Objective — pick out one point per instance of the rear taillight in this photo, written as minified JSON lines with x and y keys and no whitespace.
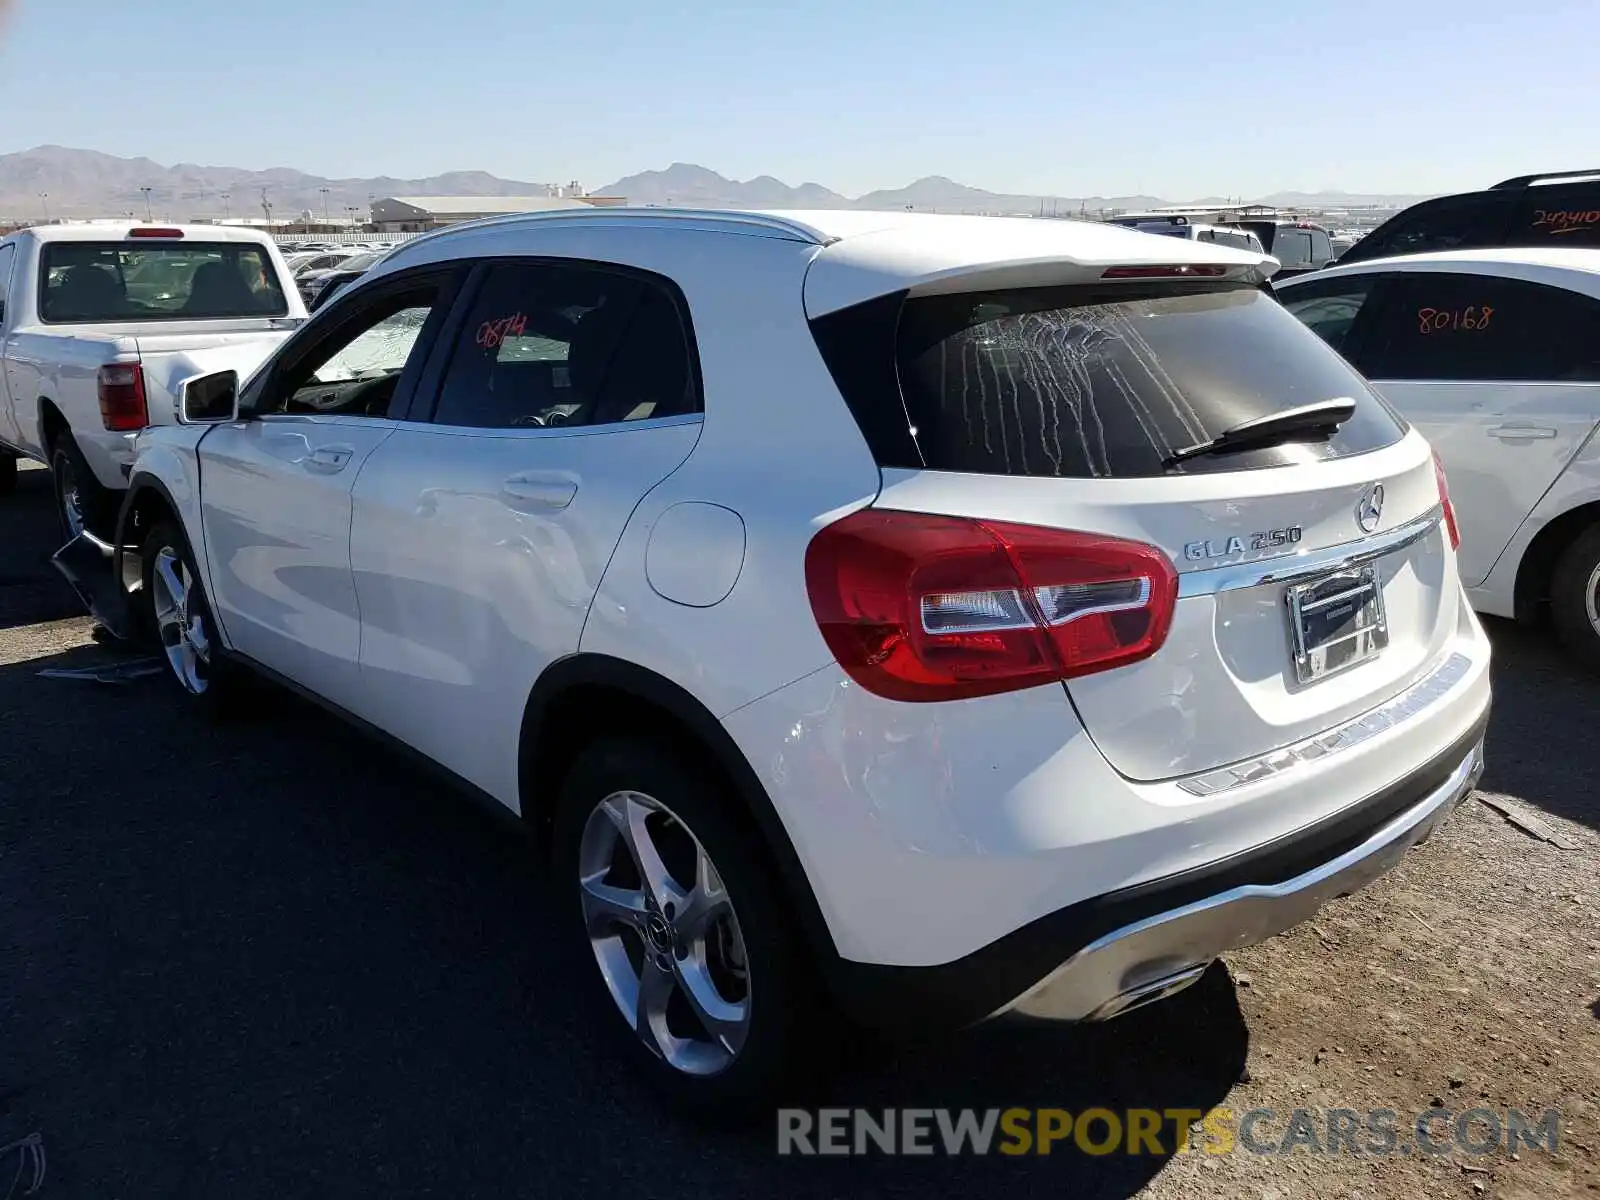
{"x":122,"y":405}
{"x":921,"y":607}
{"x":1444,"y":499}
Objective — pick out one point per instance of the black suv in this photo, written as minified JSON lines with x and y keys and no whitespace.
{"x":1559,"y":208}
{"x":1298,"y":245}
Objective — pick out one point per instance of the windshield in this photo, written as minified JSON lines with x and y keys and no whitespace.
{"x":122,"y":281}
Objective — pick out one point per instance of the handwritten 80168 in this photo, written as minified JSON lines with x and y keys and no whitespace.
{"x":492,"y":333}
{"x":1438,"y":320}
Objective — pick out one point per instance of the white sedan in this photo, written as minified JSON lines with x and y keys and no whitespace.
{"x":1495,"y":356}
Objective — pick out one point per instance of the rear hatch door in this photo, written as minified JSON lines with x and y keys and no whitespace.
{"x":1066,"y":407}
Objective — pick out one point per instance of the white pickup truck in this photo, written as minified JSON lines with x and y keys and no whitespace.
{"x":100,"y":324}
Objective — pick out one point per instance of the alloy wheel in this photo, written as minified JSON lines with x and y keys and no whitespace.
{"x":664,"y":933}
{"x":71,"y":497}
{"x":182,"y":630}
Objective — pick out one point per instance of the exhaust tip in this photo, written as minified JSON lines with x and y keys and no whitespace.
{"x":1156,"y":989}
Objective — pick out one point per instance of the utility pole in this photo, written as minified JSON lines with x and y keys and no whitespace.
{"x":226,"y":196}
{"x":266,"y":207}
{"x":147,"y":215}
{"x":44,"y":198}
{"x":324,"y":192}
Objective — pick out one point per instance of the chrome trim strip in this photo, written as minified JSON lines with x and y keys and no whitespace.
{"x":1124,"y":961}
{"x":1307,"y":564}
{"x":1419,"y":696}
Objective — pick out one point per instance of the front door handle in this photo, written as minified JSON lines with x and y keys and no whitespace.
{"x":330,"y":459}
{"x":1517,"y":433}
{"x":538,"y":491}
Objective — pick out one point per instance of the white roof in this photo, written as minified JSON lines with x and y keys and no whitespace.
{"x":1573,"y":267}
{"x":113,"y":231}
{"x":861,"y":254}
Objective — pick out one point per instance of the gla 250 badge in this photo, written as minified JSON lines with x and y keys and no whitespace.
{"x":1266,"y":539}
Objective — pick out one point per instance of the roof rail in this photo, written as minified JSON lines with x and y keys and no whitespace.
{"x":1522,"y":181}
{"x":787,"y":226}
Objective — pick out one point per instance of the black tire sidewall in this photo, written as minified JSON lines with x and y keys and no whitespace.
{"x":93,"y":499}
{"x":219,"y":679}
{"x":780,"y":1050}
{"x":1569,"y":597}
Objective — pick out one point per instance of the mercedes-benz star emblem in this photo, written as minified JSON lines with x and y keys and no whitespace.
{"x":1369,"y":509}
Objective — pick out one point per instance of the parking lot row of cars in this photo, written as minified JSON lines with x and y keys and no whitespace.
{"x":914,"y":617}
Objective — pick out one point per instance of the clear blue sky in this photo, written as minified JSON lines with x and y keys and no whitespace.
{"x":1043,"y":96}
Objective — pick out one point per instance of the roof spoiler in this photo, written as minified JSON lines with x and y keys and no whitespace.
{"x":1522,"y":181}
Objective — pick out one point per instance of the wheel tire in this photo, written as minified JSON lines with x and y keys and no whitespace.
{"x":8,"y":473}
{"x":1573,"y":595}
{"x":217,"y":679}
{"x":69,"y":471}
{"x":787,"y":1011}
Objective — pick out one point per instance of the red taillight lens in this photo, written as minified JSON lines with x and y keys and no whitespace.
{"x":1444,"y":499}
{"x":1175,"y":272}
{"x":122,"y":405}
{"x":920,"y":607}
{"x":154,"y":231}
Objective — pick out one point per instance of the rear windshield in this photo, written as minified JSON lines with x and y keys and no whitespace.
{"x":173,"y":281}
{"x":1088,"y":382}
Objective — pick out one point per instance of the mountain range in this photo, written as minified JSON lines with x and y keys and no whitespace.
{"x":58,"y":181}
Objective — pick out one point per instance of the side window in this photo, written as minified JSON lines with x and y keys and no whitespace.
{"x":546,"y":344}
{"x":355,"y":370}
{"x":1449,"y":223}
{"x":1321,"y":246}
{"x":1558,"y":216}
{"x":1329,"y":308}
{"x":1474,"y":327}
{"x":1291,"y":247}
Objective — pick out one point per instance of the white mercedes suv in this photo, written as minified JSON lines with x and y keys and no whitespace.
{"x":915,"y":617}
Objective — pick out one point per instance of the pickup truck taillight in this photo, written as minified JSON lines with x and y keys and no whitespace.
{"x":122,"y":405}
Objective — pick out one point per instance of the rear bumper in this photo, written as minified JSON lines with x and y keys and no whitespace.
{"x":1103,"y":956}
{"x":1158,"y":955}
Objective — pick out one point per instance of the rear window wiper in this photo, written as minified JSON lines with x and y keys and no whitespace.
{"x":1322,"y":417}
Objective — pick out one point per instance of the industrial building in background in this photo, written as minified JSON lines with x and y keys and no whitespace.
{"x":418,"y":214}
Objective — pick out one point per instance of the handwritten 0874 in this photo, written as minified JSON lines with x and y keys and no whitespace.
{"x":1438,"y":320}
{"x":492,"y":333}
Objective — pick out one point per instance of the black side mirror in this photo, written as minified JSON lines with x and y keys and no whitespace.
{"x":209,"y":399}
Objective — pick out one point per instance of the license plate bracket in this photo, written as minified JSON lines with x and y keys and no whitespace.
{"x":1336,"y":622}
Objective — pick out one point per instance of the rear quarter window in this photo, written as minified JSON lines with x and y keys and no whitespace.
{"x":1558,"y":216}
{"x":1096,"y":382}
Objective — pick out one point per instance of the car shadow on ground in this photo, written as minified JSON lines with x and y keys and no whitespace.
{"x":264,"y":957}
{"x":1540,"y":747}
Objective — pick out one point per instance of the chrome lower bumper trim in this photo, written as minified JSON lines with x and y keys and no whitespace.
{"x":1419,"y":697}
{"x":1157,"y":956}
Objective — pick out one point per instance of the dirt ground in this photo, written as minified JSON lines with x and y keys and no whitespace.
{"x":272,"y":961}
{"x":1468,"y":978}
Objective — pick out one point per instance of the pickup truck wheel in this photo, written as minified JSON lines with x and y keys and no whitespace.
{"x":1575,"y":598}
{"x":81,"y":502}
{"x":8,"y":473}
{"x":180,"y":615}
